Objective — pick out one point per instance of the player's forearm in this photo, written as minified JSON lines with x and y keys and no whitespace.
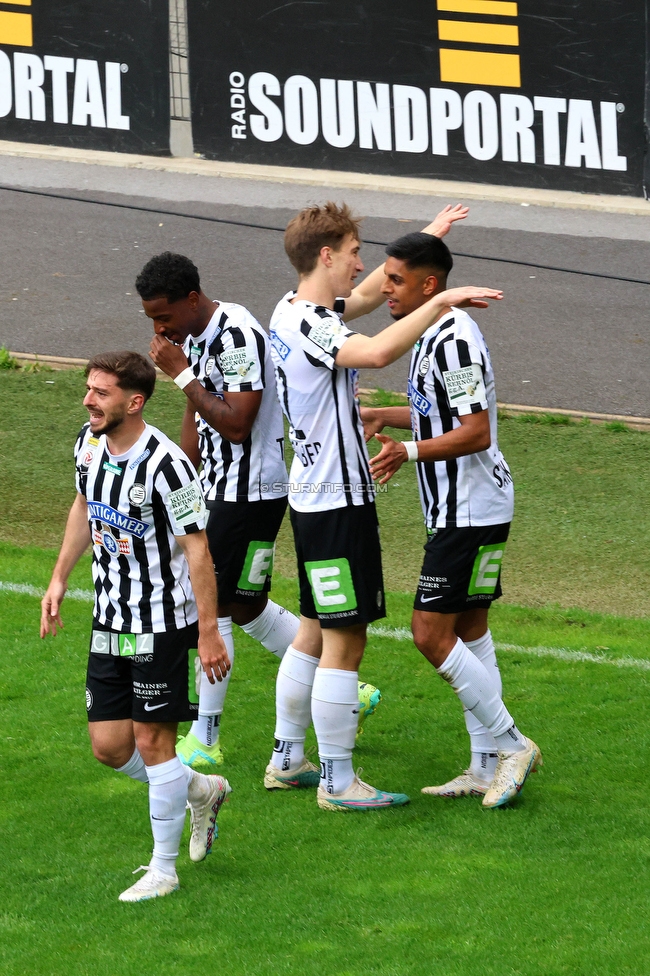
{"x":367,"y":296}
{"x":399,"y":417}
{"x":76,"y":540}
{"x":203,"y":580}
{"x":375,"y":352}
{"x":190,"y":437}
{"x":454,"y":444}
{"x":218,"y":413}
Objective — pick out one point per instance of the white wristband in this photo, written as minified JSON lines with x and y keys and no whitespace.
{"x":411,"y":450}
{"x":184,"y":378}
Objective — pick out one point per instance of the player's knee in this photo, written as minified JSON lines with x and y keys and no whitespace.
{"x":435,"y":646}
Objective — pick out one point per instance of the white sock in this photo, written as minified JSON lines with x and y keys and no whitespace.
{"x":335,"y":713}
{"x":476,"y":690}
{"x":167,"y":801}
{"x":275,"y":628}
{"x":135,"y":768}
{"x":212,"y":697}
{"x":292,"y":707}
{"x":482,"y":743}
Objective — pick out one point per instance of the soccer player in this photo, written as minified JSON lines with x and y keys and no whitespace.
{"x":467,"y":499}
{"x":140,"y":505}
{"x":332,"y":494}
{"x":219,"y":355}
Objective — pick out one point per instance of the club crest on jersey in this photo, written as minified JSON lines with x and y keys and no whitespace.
{"x":209,"y":365}
{"x":137,"y":494}
{"x":423,"y":368}
{"x":280,"y":347}
{"x":87,"y":458}
{"x":116,"y":547}
{"x":104,"y":513}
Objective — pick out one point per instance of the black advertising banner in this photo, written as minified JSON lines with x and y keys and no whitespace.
{"x":93,"y":74}
{"x":541,"y":93}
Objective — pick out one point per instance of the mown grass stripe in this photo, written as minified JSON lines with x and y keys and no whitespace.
{"x":404,"y":634}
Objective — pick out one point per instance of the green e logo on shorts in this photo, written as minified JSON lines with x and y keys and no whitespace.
{"x":195,"y":670}
{"x":487,"y":567}
{"x":257,"y":566}
{"x":331,"y":585}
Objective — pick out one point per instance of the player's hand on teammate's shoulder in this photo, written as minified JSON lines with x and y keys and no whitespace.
{"x":470,"y":296}
{"x":389,"y":460}
{"x":167,"y":356}
{"x":441,"y":225}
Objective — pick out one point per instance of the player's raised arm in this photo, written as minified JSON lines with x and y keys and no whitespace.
{"x":375,"y":352}
{"x":212,"y":650}
{"x":367,"y":296}
{"x":75,"y":542}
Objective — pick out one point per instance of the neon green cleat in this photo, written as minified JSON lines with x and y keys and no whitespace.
{"x":369,"y":698}
{"x":203,"y":759}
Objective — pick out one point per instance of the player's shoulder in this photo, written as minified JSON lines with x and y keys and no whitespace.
{"x":161,"y":449}
{"x":465,"y":327}
{"x":239,"y":326}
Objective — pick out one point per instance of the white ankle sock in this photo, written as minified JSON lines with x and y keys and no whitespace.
{"x":476,"y":690}
{"x":212,"y":697}
{"x":482,"y":741}
{"x":483,"y":765}
{"x":292,"y":707}
{"x":167,"y":800}
{"x":335,"y":713}
{"x":135,"y":768}
{"x":275,"y":628}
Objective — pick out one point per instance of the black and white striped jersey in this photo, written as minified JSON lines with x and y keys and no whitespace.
{"x":137,"y":502}
{"x":330,"y":465}
{"x":451,"y":376}
{"x":232,"y":355}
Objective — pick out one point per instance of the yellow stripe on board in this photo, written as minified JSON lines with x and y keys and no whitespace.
{"x":17,"y":3}
{"x":458,"y":30}
{"x":16,"y":29}
{"x":480,"y":68}
{"x":499,"y":8}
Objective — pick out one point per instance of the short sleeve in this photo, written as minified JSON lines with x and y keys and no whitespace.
{"x":178,"y":487}
{"x":462,"y":373}
{"x":84,"y":451}
{"x":322,"y":335}
{"x":241,"y":360}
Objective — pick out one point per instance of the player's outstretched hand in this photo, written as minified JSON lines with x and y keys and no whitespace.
{"x":441,"y":224}
{"x":469,"y":296}
{"x":372,"y":425}
{"x":51,"y":609}
{"x":214,"y":656}
{"x":167,"y":356}
{"x":389,"y":460}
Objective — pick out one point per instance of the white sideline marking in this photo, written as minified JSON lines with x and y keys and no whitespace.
{"x":559,"y":653}
{"x":404,"y":634}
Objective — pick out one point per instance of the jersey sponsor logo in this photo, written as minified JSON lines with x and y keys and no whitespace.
{"x":196,"y":351}
{"x":115,"y":546}
{"x":93,"y":441}
{"x":331,"y":585}
{"x":111,"y":468}
{"x":327,"y":334}
{"x":137,"y":494}
{"x":139,"y":460}
{"x":423,"y":368}
{"x":237,"y":364}
{"x":486,"y":570}
{"x":464,"y":386}
{"x":258,"y":566}
{"x":280,"y":347}
{"x":420,"y":402}
{"x":104,"y":513}
{"x":186,"y":504}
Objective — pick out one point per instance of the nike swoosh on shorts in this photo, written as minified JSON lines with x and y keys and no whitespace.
{"x":148,"y":707}
{"x":428,"y":599}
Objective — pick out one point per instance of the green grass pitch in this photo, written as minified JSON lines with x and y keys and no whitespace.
{"x":555,"y":884}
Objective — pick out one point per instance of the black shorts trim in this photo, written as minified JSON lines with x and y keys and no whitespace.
{"x":461,"y":569}
{"x":143,"y":677}
{"x":339,"y":565}
{"x":241,"y":536}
